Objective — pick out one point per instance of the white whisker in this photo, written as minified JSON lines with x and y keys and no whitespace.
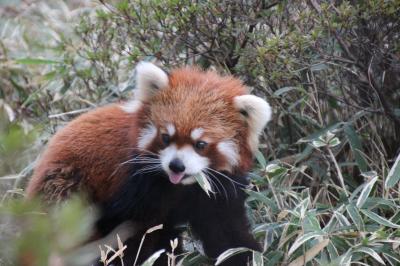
{"x":216,"y":179}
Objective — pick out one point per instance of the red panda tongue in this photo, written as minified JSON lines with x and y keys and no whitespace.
{"x":175,"y":178}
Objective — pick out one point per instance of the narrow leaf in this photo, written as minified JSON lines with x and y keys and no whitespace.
{"x":154,"y":228}
{"x":356,"y":217}
{"x":258,"y":259}
{"x":310,"y":254}
{"x":304,"y":238}
{"x":365,"y":192}
{"x":36,"y":61}
{"x":284,"y":90}
{"x":229,"y":253}
{"x":394,"y":174}
{"x":370,"y":252}
{"x":379,"y":219}
{"x":204,"y":183}
{"x":260,"y":159}
{"x":356,"y":147}
{"x":152,"y":259}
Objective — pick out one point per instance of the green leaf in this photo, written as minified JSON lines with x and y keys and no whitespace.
{"x":321,"y":132}
{"x":204,"y":183}
{"x":355,"y":216}
{"x":319,"y":67}
{"x":365,"y":192}
{"x":394,"y":259}
{"x":380,"y":220}
{"x":394,"y":174}
{"x":310,"y":253}
{"x":229,"y":253}
{"x":370,"y":252}
{"x":345,"y":260}
{"x":152,"y":259}
{"x":258,"y":259}
{"x":260,"y":159}
{"x":334,"y":142}
{"x":36,"y":61}
{"x":284,"y":90}
{"x":274,"y":258}
{"x":355,"y":144}
{"x":304,"y":238}
{"x":263,"y":199}
{"x":318,"y":143}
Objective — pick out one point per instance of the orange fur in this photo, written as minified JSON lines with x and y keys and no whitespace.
{"x":94,"y":145}
{"x":91,"y":155}
{"x":205,"y":101}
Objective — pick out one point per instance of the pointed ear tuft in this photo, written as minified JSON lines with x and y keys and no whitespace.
{"x":257,"y":112}
{"x":149,"y":78}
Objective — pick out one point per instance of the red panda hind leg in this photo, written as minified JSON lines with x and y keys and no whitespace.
{"x":59,"y":184}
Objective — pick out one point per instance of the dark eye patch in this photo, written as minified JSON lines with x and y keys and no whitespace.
{"x":244,"y":113}
{"x":166,"y":139}
{"x":200,"y":145}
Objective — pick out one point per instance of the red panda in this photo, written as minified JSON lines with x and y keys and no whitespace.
{"x":137,"y":161}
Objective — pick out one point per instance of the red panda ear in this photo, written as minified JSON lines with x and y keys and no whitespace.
{"x":149,"y":79}
{"x":257,"y":112}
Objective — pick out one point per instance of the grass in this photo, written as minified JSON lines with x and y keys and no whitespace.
{"x":326,"y":180}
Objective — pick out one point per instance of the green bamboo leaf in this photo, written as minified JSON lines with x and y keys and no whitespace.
{"x":394,"y":174}
{"x":345,"y":260}
{"x":152,"y":259}
{"x":310,"y":253}
{"x":36,"y":61}
{"x":204,"y":183}
{"x":229,"y":253}
{"x":370,"y":252}
{"x":302,"y":239}
{"x":260,"y":159}
{"x":334,"y":142}
{"x":319,"y":67}
{"x":356,"y":147}
{"x":321,"y":132}
{"x":366,"y":191}
{"x":284,"y":90}
{"x":274,"y":258}
{"x":393,"y":259}
{"x":379,"y":219}
{"x":355,"y":216}
{"x":263,"y":199}
{"x":258,"y":259}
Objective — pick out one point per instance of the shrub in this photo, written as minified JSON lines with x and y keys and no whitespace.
{"x":326,"y":185}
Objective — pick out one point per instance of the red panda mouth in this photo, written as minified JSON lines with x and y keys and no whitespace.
{"x":176,"y":178}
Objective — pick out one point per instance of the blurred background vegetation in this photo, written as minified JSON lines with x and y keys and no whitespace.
{"x":326,"y":187}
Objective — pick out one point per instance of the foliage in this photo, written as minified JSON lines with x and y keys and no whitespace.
{"x":326,"y":187}
{"x":44,"y":235}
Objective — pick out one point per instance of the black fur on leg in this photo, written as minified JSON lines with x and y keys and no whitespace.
{"x":222,"y":224}
{"x":149,"y":199}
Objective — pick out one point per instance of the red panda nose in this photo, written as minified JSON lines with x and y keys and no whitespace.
{"x":176,"y":166}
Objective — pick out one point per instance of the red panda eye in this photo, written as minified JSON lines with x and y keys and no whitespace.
{"x":200,"y":145}
{"x":165,"y":139}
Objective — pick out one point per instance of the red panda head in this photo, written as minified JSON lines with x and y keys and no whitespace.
{"x":196,"y":121}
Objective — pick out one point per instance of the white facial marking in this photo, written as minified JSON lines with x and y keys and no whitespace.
{"x":131,"y":107}
{"x":196,"y":133}
{"x":193,"y":162}
{"x":146,"y":136}
{"x":171,"y":129}
{"x":230,"y":150}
